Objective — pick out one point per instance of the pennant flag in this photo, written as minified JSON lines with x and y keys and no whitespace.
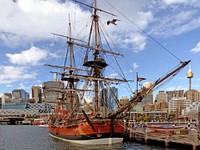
{"x":140,"y":79}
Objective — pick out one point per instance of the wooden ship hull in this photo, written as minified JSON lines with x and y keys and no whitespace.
{"x":83,"y":133}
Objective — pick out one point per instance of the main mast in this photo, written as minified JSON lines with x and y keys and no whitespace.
{"x":71,"y":82}
{"x":98,"y":63}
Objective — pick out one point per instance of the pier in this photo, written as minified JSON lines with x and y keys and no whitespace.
{"x":166,"y":137}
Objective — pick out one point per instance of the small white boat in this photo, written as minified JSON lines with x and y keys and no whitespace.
{"x":43,"y":125}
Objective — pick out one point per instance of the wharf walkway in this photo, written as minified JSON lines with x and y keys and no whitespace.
{"x":168,"y":137}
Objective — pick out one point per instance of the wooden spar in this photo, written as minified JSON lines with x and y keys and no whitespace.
{"x":96,"y":49}
{"x":140,"y":95}
{"x":95,"y":78}
{"x":67,"y":90}
{"x":66,"y":68}
{"x":183,"y":64}
{"x":68,"y":37}
{"x":94,"y":8}
{"x":88,"y":120}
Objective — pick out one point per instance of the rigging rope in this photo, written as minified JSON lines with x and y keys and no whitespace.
{"x":122,"y":73}
{"x":156,"y":41}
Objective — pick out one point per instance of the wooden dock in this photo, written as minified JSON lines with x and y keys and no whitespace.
{"x":185,"y":137}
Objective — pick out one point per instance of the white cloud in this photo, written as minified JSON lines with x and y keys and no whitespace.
{"x":13,"y":40}
{"x":196,"y":49}
{"x":136,"y":41}
{"x":36,"y":19}
{"x":9,"y":85}
{"x":113,"y":75}
{"x":130,"y":70}
{"x":132,"y":15}
{"x":31,"y":56}
{"x":26,"y":21}
{"x":185,"y":2}
{"x":135,"y":65}
{"x":174,"y":1}
{"x":21,"y":86}
{"x":10,"y":74}
{"x":183,"y":22}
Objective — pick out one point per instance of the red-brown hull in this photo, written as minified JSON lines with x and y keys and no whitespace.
{"x":83,"y":131}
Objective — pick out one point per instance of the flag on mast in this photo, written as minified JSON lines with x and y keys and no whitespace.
{"x":139,"y":78}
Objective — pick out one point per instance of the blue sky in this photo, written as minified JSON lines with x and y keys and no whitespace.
{"x":26,"y":42}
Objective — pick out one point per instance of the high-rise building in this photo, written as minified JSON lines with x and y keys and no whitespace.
{"x":6,"y":98}
{"x":104,"y":98}
{"x":37,"y":94}
{"x":175,"y":93}
{"x":112,"y":97}
{"x":108,"y":98}
{"x":193,"y":95}
{"x":124,"y":100}
{"x":177,"y":105}
{"x":51,"y":95}
{"x":19,"y":95}
{"x":161,"y":96}
{"x":149,"y":98}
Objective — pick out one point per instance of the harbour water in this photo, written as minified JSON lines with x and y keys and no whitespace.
{"x":28,"y":137}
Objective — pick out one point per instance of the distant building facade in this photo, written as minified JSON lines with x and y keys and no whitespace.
{"x":51,"y":96}
{"x":193,"y":95}
{"x":192,"y":111}
{"x":108,"y":98}
{"x":112,"y":97}
{"x":148,"y":107}
{"x":149,"y":98}
{"x":177,"y":104}
{"x":37,"y":94}
{"x":124,"y":100}
{"x":161,"y":97}
{"x":175,"y":93}
{"x":19,"y":95}
{"x":6,"y":98}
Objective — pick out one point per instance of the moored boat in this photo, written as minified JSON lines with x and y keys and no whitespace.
{"x":43,"y":125}
{"x":160,"y":129}
{"x":164,"y":127}
{"x":39,"y":121}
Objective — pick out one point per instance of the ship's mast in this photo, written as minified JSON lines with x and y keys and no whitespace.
{"x":70,"y":94}
{"x":96,"y":53}
{"x":71,"y":82}
{"x":98,"y":63}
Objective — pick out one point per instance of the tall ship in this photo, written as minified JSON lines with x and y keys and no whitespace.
{"x":98,"y":124}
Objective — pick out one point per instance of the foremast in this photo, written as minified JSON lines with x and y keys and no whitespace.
{"x":69,"y":93}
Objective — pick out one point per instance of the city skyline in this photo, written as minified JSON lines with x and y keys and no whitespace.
{"x":158,"y":96}
{"x":27,"y":44}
